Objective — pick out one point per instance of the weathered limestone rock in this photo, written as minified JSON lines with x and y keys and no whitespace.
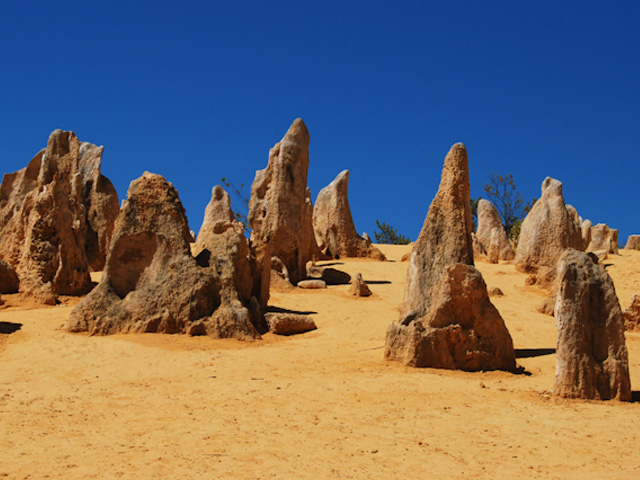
{"x":603,"y":238}
{"x":573,"y":213}
{"x":445,"y":238}
{"x":289,"y":323}
{"x":462,"y":329}
{"x":280,"y":210}
{"x":151,"y":283}
{"x":632,"y":314}
{"x":478,"y":249}
{"x":495,"y":292}
{"x":312,"y":284}
{"x":585,"y":230}
{"x":592,"y":360}
{"x":488,"y":219}
{"x":493,"y":253}
{"x":8,"y":278}
{"x":333,"y":226}
{"x":56,"y":218}
{"x":633,"y":243}
{"x":547,"y":230}
{"x":358,"y":287}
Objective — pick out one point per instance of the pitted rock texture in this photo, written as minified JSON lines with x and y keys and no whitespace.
{"x":488,"y":219}
{"x":280,"y":209}
{"x":547,"y":231}
{"x":591,"y":355}
{"x":604,"y":239}
{"x":56,"y":218}
{"x":333,"y":225}
{"x":632,"y":314}
{"x":633,"y":243}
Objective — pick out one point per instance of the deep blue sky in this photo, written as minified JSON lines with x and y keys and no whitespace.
{"x":200,"y":90}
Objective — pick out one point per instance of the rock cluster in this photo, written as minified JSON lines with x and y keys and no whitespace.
{"x":547,"y":230}
{"x":490,"y":225}
{"x":152,"y":283}
{"x":592,"y":360}
{"x":280,"y":209}
{"x":333,"y":226}
{"x":56,"y":218}
{"x":603,"y":238}
{"x":448,"y":320}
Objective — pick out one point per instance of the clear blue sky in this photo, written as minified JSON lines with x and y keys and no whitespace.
{"x":200,"y":90}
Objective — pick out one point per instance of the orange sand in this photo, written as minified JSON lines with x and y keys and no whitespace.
{"x":320,"y":405}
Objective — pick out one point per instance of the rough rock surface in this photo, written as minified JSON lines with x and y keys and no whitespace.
{"x":462,"y":329}
{"x":488,"y":219}
{"x":585,"y":230}
{"x":478,"y":249}
{"x":603,"y":238}
{"x":632,"y":314}
{"x":358,"y":287}
{"x":493,"y":252}
{"x":151,"y":282}
{"x":333,"y":226}
{"x":331,"y":276}
{"x":8,"y":278}
{"x":312,"y":284}
{"x":56,"y":218}
{"x":495,"y":292}
{"x":289,"y":323}
{"x":592,"y":359}
{"x":547,"y":231}
{"x":445,"y":238}
{"x":280,"y":209}
{"x":633,"y":242}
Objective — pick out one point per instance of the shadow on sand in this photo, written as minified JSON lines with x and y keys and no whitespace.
{"x":534,"y":352}
{"x":8,"y":327}
{"x":271,"y":309}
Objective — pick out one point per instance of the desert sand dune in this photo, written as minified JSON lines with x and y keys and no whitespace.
{"x":319,"y":405}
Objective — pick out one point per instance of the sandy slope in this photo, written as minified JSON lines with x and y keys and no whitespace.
{"x":319,"y":405}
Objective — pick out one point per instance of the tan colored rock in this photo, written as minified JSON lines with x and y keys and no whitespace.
{"x":493,"y":253}
{"x":8,"y":279}
{"x":406,"y":257}
{"x":603,"y":238}
{"x":573,"y":213}
{"x":585,"y":230}
{"x":488,"y":220}
{"x":358,"y":287}
{"x":312,"y":284}
{"x":547,"y":230}
{"x":330,"y":275}
{"x":633,"y":243}
{"x":151,"y":282}
{"x":289,"y":323}
{"x":632,"y":314}
{"x":547,"y":306}
{"x":333,"y":226}
{"x":478,"y":249}
{"x":218,"y":215}
{"x":592,"y":360}
{"x":56,"y":218}
{"x":445,"y":238}
{"x":495,"y":292}
{"x":462,"y":329}
{"x":280,"y":209}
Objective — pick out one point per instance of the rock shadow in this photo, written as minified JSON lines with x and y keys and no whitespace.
{"x":9,"y":327}
{"x":534,"y":352}
{"x":377,"y":282}
{"x":272,"y":309}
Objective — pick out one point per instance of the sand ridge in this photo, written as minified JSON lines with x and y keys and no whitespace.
{"x":324,"y":404}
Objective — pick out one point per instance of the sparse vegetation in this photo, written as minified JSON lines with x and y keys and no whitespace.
{"x":240,"y":206}
{"x":389,"y":235}
{"x":502,"y":192}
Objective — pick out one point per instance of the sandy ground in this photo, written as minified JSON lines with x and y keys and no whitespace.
{"x":320,"y":405}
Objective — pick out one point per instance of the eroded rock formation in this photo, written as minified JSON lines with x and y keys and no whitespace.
{"x":632,"y":314}
{"x":488,"y":219}
{"x":547,"y":230}
{"x":280,"y":209}
{"x":152,"y":283}
{"x":333,"y":226}
{"x":8,"y":278}
{"x":358,"y":287}
{"x":633,"y":243}
{"x":603,"y":238}
{"x":56,"y":218}
{"x":592,"y":360}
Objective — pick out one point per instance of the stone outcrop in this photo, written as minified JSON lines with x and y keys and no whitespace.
{"x":289,"y":323}
{"x":280,"y":209}
{"x":547,"y":230}
{"x":358,"y":287}
{"x":331,"y":276}
{"x":488,"y":220}
{"x":447,"y":318}
{"x":56,"y":218}
{"x":152,"y":283}
{"x":592,"y":360}
{"x":603,"y":238}
{"x":8,"y":278}
{"x":478,"y":249}
{"x":333,"y":226}
{"x":585,"y":230}
{"x":633,"y":243}
{"x":445,"y":238}
{"x":462,"y":329}
{"x":312,"y":284}
{"x":632,"y":314}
